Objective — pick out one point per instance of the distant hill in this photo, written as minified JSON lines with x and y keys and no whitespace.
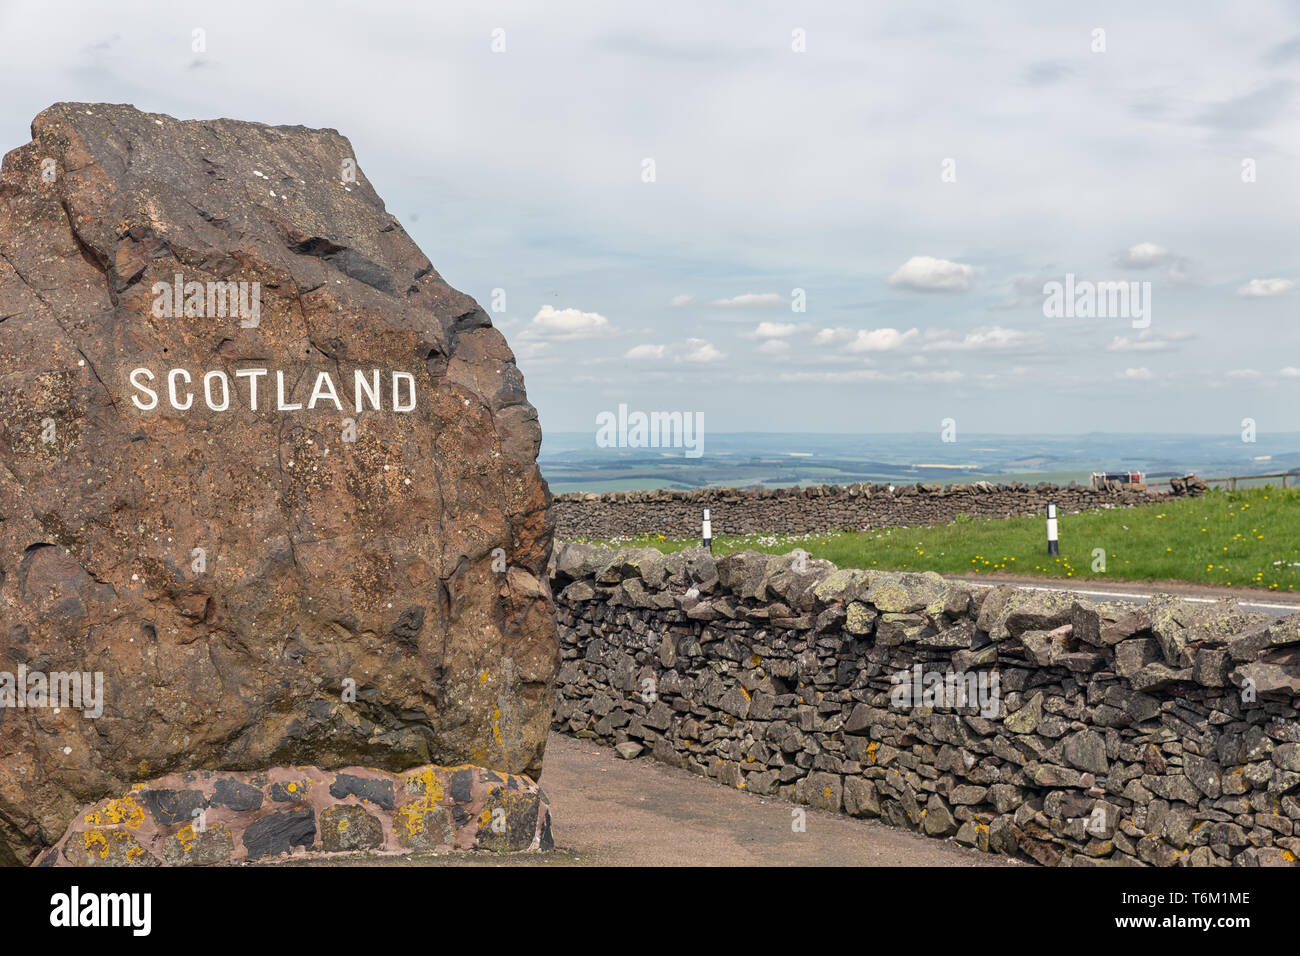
{"x":571,"y":461}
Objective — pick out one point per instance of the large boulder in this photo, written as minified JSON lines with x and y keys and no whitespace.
{"x":293,"y":521}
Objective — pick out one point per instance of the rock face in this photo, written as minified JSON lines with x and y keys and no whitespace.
{"x":262,"y":472}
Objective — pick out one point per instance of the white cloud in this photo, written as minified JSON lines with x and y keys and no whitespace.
{"x":774,"y":347}
{"x":864,"y":340}
{"x":1180,"y":271}
{"x":1261,"y":288}
{"x":1135,"y":374}
{"x":646,"y":352}
{"x":879,"y":340}
{"x":874,"y":375}
{"x":565,"y":325}
{"x":678,"y":301}
{"x":775,"y":330}
{"x":1146,"y":341}
{"x":927,"y":274}
{"x":985,"y":339}
{"x":830,"y":336}
{"x":530,"y":350}
{"x":951,"y":375}
{"x":1143,"y":256}
{"x":1290,"y":372}
{"x":699,"y":350}
{"x":1243,"y":373}
{"x":753,"y":300}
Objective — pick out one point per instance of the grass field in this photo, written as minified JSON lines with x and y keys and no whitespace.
{"x":1246,"y":538}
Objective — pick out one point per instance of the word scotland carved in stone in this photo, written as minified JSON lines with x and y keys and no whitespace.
{"x":1029,"y":723}
{"x":260,"y":467}
{"x":216,"y":391}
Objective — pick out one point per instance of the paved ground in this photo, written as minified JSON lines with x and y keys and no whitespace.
{"x":1139,"y":592}
{"x":611,"y":812}
{"x":614,"y":812}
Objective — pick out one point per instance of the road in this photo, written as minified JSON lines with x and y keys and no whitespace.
{"x":1139,"y":593}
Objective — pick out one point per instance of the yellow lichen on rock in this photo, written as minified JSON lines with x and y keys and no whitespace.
{"x":123,"y":811}
{"x":96,"y":843}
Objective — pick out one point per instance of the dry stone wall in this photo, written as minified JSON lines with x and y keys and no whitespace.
{"x":827,"y":507}
{"x":1029,"y":723}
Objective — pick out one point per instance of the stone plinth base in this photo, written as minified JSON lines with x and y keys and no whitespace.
{"x":209,"y":818}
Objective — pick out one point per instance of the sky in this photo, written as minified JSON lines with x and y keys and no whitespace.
{"x":799,"y":217}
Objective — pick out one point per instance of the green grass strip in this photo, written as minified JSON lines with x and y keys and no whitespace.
{"x":1244,"y":538}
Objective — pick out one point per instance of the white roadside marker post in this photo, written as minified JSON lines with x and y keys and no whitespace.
{"x":1051,"y":529}
{"x":708,"y":531}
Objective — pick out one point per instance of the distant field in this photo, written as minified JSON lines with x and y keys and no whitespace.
{"x":571,"y":461}
{"x":1247,"y":538}
{"x":596,"y":485}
